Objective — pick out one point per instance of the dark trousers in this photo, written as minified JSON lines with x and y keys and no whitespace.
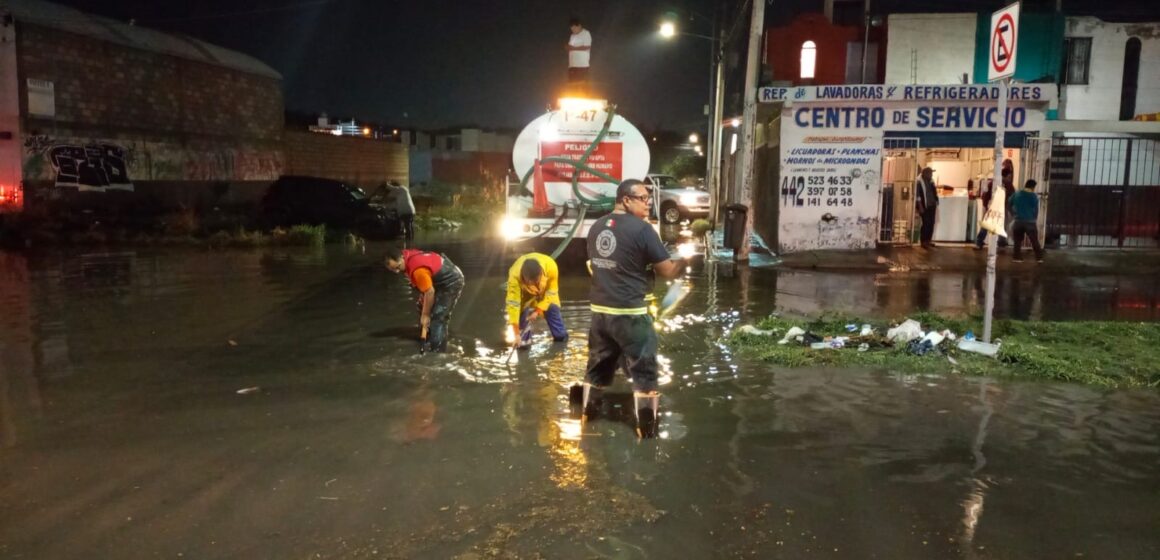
{"x":928,"y":216}
{"x":446,"y":296}
{"x":407,"y":226}
{"x":555,"y":324}
{"x":630,"y":340}
{"x":982,"y":238}
{"x":576,"y":74}
{"x":1031,"y":230}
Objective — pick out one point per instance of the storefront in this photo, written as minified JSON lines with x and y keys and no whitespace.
{"x":850,"y":156}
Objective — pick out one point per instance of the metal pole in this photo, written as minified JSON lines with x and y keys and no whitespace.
{"x":744,"y":181}
{"x":993,"y":239}
{"x":865,"y":36}
{"x":715,"y":122}
{"x":711,"y":132}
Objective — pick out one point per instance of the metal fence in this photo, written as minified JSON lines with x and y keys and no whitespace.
{"x":896,"y":216}
{"x":1099,"y":191}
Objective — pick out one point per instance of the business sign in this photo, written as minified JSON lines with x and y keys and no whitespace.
{"x":607,"y":158}
{"x":829,"y":188}
{"x":1004,"y":37}
{"x":623,"y":153}
{"x":41,"y":97}
{"x":923,"y":116}
{"x":1017,"y":94}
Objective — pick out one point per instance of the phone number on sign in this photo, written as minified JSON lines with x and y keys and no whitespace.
{"x":815,"y":190}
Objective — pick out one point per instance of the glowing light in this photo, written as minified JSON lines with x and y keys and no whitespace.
{"x":809,"y":59}
{"x":693,"y":138}
{"x":686,"y":250}
{"x":582,"y":104}
{"x":736,"y":122}
{"x":366,"y":131}
{"x":688,"y":199}
{"x":668,"y":30}
{"x":548,"y":132}
{"x":509,"y":229}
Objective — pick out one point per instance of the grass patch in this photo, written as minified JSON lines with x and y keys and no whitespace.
{"x":1106,"y":354}
{"x":437,"y":217}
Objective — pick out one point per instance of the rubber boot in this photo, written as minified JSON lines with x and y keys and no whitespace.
{"x":593,"y":400}
{"x":647,"y":407}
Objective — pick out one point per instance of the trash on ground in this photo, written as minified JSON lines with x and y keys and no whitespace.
{"x":792,"y":334}
{"x":248,"y":390}
{"x":906,"y":332}
{"x":750,"y":329}
{"x":935,"y":338}
{"x":863,"y":347}
{"x":979,"y":347}
{"x":818,"y":346}
{"x":921,"y":347}
{"x":810,"y":338}
{"x":867,"y":330}
{"x":851,"y":327}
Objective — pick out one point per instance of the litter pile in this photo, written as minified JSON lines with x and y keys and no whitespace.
{"x":907,"y":335}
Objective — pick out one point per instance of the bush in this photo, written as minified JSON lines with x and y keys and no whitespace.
{"x":700,"y":226}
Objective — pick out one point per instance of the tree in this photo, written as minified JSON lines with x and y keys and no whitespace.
{"x":685,"y":165}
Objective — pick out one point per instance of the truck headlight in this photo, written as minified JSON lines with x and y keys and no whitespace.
{"x":509,"y":229}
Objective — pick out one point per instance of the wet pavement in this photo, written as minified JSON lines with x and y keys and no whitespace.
{"x":123,"y":433}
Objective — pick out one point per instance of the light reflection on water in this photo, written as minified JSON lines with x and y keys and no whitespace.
{"x":753,"y":460}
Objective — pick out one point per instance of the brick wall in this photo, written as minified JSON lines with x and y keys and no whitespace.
{"x":360,"y":161}
{"x":125,"y":116}
{"x":106,"y":86}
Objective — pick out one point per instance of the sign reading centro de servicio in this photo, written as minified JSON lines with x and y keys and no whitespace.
{"x":1004,"y":37}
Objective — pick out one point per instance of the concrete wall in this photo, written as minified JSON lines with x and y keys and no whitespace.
{"x":359,"y":161}
{"x":943,"y":44}
{"x":125,"y":116}
{"x":1100,"y":99}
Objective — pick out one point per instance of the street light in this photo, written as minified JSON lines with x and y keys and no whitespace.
{"x":668,"y":30}
{"x":693,"y":138}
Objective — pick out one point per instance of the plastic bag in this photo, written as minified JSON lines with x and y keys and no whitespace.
{"x":906,"y":332}
{"x":995,"y":217}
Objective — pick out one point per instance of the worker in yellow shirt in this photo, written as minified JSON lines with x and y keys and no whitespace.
{"x":534,"y":289}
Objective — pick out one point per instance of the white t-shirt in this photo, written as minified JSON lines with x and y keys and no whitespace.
{"x":579,"y":59}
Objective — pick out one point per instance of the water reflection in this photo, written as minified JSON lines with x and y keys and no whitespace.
{"x":116,"y":369}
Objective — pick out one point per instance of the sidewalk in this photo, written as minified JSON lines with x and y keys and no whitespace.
{"x":966,"y":257}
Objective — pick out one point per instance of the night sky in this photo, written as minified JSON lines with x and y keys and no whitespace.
{"x":497,"y":63}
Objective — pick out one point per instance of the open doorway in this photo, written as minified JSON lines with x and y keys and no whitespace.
{"x":899,"y":171}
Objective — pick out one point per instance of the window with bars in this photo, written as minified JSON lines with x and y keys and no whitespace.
{"x":1077,"y":53}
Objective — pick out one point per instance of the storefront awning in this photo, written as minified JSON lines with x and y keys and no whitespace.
{"x":960,"y":139}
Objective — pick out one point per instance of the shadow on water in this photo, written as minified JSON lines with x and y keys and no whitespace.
{"x":274,"y":404}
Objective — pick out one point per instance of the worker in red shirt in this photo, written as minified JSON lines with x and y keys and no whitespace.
{"x":439,"y":283}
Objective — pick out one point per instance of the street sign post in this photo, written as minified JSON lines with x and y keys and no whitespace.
{"x":1001,"y":66}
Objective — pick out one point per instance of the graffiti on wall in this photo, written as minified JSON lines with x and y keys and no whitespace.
{"x":87,"y":167}
{"x":100,"y":164}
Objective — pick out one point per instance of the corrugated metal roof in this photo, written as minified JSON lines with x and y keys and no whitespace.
{"x":56,"y":16}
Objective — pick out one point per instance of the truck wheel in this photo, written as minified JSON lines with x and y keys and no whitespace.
{"x":670,"y":213}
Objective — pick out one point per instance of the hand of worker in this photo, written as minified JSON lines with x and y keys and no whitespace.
{"x":535,"y":314}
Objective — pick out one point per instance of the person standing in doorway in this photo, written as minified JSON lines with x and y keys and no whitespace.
{"x":579,"y":49}
{"x":1007,"y":174}
{"x":926,"y":203}
{"x":1025,"y":206}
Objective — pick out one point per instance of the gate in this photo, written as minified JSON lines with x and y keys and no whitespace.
{"x":899,"y":172}
{"x":1100,"y":191}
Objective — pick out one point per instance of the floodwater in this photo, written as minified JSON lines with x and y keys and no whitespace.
{"x":272,"y":404}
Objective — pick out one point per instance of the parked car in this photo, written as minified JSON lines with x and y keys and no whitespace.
{"x":678,"y":202}
{"x":293,"y":200}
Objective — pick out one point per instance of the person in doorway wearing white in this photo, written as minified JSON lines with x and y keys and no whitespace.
{"x":926,"y":202}
{"x":579,"y":49}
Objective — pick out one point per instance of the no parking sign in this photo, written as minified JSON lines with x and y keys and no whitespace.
{"x":1004,"y":36}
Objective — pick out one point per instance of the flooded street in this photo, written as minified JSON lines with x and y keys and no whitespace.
{"x":273,"y":404}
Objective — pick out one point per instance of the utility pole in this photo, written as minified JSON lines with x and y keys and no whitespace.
{"x":744,"y":178}
{"x":714,"y":151}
